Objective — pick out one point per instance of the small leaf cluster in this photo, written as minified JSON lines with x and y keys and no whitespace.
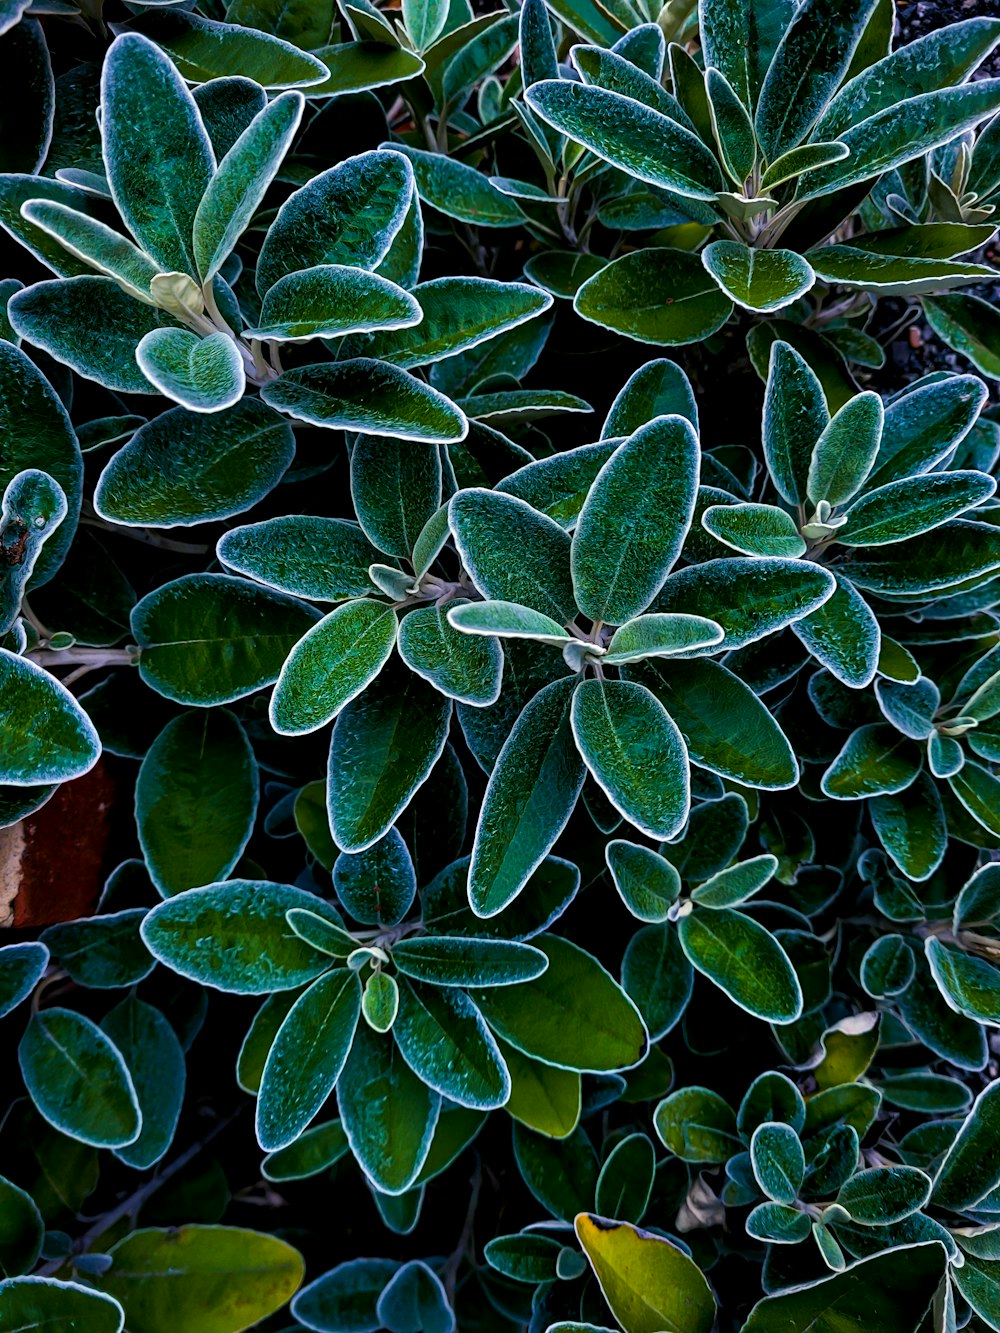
{"x":568,"y":849}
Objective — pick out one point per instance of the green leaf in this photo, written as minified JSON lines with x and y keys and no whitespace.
{"x":458,"y":314}
{"x":89,"y":324}
{"x":970,"y":1170}
{"x":38,"y":438}
{"x":640,"y":141}
{"x":561,"y":1173}
{"x":315,"y":1150}
{"x":737,"y":883}
{"x":658,"y":977}
{"x":795,"y":417}
{"x":657,"y":389}
{"x":227,"y":106}
{"x":811,"y":61}
{"x":660,"y":635}
{"x":424,"y":21}
{"x":21,"y":1234}
{"x":854,"y":267}
{"x":655,"y":296}
{"x":650,"y":1285}
{"x":377,"y":886}
{"x":882,"y":1195}
{"x":416,"y":1297}
{"x":970,"y":326}
{"x":923,"y":425}
{"x":396,"y":490}
{"x":320,"y":933}
{"x":17,"y":189}
{"x":234,"y":936}
{"x":305,"y":24}
{"x":99,"y":246}
{"x":478,"y":57}
{"x":33,"y":508}
{"x":21,"y":968}
{"x":573,"y":1016}
{"x":635,"y":752}
{"x":385,"y":744}
{"x":891,"y":136}
{"x":362,"y":66}
{"x":203,"y":49}
{"x":460,"y":191}
{"x":799,"y":161}
{"x":526,"y":1257}
{"x":330,"y":301}
{"x":506,"y":619}
{"x":388,"y":1113}
{"x":949,"y":1035}
{"x":529,"y":798}
{"x":155,"y":1060}
{"x":102,"y":951}
{"x":490,"y":528}
{"x":184,"y":468}
{"x":510,"y":407}
{"x":542,"y":1097}
{"x":844,"y":635}
{"x":347,"y":215}
{"x":754,"y":529}
{"x":210,"y":639}
{"x":970,"y":985}
{"x":196,"y":800}
{"x":323,"y":559}
{"x":332,"y":664}
{"x":647,"y":883}
{"x":912,"y":828}
{"x":696,"y":1125}
{"x":939,"y":59}
{"x":913,"y":505}
{"x":977,"y":1281}
{"x":759,"y":280}
{"x":744,"y":960}
{"x":445,"y":960}
{"x":443,"y":1038}
{"x":557,"y":486}
{"x":888,"y":966}
{"x":156,"y":152}
{"x":978,"y":901}
{"x":226,"y":1278}
{"x":202,"y":374}
{"x":626,"y":1180}
{"x":778,"y":1222}
{"x":725,"y":726}
{"x":345,"y":1297}
{"x":779,"y":1164}
{"x":77,"y":1079}
{"x":846,"y":451}
{"x":237,"y":188}
{"x":46,"y":736}
{"x":946,"y":556}
{"x":732,"y":126}
{"x":368,"y":396}
{"x":891,"y":1291}
{"x":633,"y":523}
{"x":875,"y":760}
{"x":306,"y":1057}
{"x":749,"y":598}
{"x":33,"y":1302}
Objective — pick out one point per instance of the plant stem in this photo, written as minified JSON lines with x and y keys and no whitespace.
{"x":130,"y":1205}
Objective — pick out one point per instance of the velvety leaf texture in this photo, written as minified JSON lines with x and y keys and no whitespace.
{"x":499,"y":666}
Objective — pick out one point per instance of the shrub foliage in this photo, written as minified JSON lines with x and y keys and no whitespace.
{"x":572,"y":846}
